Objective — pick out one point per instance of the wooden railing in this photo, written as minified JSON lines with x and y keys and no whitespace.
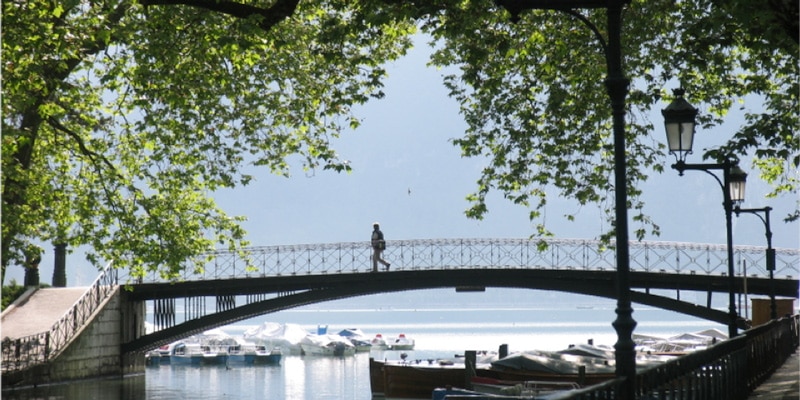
{"x":24,"y":352}
{"x":731,"y":369}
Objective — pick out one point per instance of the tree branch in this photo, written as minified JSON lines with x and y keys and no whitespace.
{"x":271,"y":16}
{"x":93,"y":156}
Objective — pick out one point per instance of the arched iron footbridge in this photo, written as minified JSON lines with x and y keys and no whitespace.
{"x":268,"y":279}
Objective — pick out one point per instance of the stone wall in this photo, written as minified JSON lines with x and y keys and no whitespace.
{"x":95,"y":352}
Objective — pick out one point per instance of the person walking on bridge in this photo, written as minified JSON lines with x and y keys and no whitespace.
{"x":378,"y":246}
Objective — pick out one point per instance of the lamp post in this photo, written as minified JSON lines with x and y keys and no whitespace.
{"x":773,"y":309}
{"x":679,"y":121}
{"x":617,"y":87}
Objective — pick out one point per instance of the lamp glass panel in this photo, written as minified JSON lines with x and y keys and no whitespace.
{"x":680,"y":136}
{"x":737,"y":191}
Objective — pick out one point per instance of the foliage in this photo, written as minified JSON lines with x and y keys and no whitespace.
{"x":120,"y":117}
{"x":533,"y":96}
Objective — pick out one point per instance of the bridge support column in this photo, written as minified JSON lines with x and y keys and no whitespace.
{"x":132,"y":316}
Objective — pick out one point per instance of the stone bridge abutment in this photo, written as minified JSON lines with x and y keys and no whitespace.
{"x":94,"y":351}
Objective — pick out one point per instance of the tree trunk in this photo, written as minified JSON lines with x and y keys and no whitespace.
{"x":60,"y":267}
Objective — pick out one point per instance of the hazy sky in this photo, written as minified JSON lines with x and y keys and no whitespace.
{"x":409,"y":177}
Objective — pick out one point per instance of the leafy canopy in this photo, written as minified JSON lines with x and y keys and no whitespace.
{"x":533,"y":96}
{"x":120,"y":117}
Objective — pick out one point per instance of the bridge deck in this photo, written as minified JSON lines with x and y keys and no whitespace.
{"x":39,"y":312}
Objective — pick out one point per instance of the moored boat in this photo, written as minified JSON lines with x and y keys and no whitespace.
{"x":249,"y":354}
{"x":267,"y":357}
{"x":196,"y":354}
{"x":379,"y":342}
{"x":159,"y":356}
{"x":360,"y":340}
{"x":285,"y":337}
{"x":679,"y":344}
{"x":483,"y":385}
{"x":327,"y":345}
{"x":552,"y":367}
{"x":401,"y":342}
{"x":152,"y":358}
{"x":412,"y":380}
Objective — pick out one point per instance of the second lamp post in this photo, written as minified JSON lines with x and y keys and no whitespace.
{"x":679,"y":121}
{"x":773,"y":313}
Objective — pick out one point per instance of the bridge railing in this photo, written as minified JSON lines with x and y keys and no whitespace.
{"x":731,"y":369}
{"x":24,"y":352}
{"x":647,"y":256}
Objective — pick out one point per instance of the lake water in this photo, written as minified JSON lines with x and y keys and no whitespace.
{"x":443,"y":324}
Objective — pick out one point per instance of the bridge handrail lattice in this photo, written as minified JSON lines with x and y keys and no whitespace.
{"x":426,"y":254}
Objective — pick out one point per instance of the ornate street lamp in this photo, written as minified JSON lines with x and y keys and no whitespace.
{"x":617,"y":87}
{"x":679,"y":121}
{"x":773,"y":309}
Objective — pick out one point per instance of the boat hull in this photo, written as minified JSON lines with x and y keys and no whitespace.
{"x":412,"y":381}
{"x":336,"y":351}
{"x":152,"y":359}
{"x":199,"y":359}
{"x":254,"y":359}
{"x":417,"y":381}
{"x":183,"y":354}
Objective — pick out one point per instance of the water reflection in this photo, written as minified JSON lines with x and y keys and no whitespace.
{"x":131,"y":388}
{"x":295,"y":378}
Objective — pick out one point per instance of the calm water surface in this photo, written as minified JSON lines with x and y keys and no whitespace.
{"x":442,"y":324}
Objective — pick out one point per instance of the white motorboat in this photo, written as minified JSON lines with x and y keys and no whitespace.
{"x":249,"y":354}
{"x":357,"y":338}
{"x":683,"y":343}
{"x":379,"y":343}
{"x":401,"y":342}
{"x":327,"y":345}
{"x":197,"y":354}
{"x":271,"y":335}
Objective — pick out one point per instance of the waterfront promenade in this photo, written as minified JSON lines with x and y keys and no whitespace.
{"x":784,"y":384}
